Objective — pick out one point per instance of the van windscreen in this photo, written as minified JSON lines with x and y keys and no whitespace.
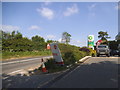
{"x":101,"y":46}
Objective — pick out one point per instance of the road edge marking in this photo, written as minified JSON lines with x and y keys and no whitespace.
{"x":15,"y":71}
{"x":25,"y":60}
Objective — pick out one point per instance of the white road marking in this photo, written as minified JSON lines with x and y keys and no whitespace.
{"x":25,"y":60}
{"x":15,"y":71}
{"x":5,"y":78}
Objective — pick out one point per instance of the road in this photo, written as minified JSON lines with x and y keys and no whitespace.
{"x":17,"y":65}
{"x":96,"y":72}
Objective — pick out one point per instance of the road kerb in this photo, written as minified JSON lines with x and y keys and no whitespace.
{"x":83,"y":59}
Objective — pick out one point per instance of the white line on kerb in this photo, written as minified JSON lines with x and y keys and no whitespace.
{"x":24,"y":60}
{"x":84,"y":58}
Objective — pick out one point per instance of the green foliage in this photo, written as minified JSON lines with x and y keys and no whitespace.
{"x":39,"y":43}
{"x":14,"y":45}
{"x":52,"y":67}
{"x":103,"y":35}
{"x":71,"y":53}
{"x":51,"y":41}
{"x":0,"y":45}
{"x":114,"y":44}
{"x":13,"y":35}
{"x":66,"y":37}
{"x":15,"y":42}
{"x":9,"y":55}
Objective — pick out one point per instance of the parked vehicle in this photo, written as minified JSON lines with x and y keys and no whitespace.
{"x":115,"y":52}
{"x":119,"y":49}
{"x":103,"y":50}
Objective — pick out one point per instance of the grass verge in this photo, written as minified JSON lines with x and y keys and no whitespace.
{"x":14,"y":55}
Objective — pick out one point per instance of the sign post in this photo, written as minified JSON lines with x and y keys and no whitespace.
{"x":91,"y":41}
{"x":56,"y":53}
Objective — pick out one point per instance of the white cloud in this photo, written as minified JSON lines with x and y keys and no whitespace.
{"x":91,"y":9}
{"x":92,"y":6}
{"x":47,"y":3}
{"x":50,"y":36}
{"x":9,"y":28}
{"x":71,"y":10}
{"x":60,"y":40}
{"x":78,"y":43}
{"x":34,"y":27}
{"x":46,"y":12}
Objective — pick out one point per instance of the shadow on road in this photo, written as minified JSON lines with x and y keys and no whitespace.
{"x":92,"y":74}
{"x":18,"y":81}
{"x":95,"y":75}
{"x":23,"y":81}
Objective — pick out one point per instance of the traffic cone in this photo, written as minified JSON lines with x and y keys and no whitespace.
{"x":43,"y":68}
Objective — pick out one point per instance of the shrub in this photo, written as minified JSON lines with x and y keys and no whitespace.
{"x":71,"y":53}
{"x":69,"y":58}
{"x":52,"y":67}
{"x":85,"y":49}
{"x":88,"y":51}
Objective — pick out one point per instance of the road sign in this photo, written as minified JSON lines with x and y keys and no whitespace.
{"x":91,"y":38}
{"x":56,"y":53}
{"x":48,"y":46}
{"x":91,"y":41}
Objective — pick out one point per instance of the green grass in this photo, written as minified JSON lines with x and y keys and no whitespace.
{"x":52,"y":67}
{"x":0,"y":55}
{"x":10,"y":55}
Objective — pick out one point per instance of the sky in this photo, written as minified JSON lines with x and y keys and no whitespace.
{"x":50,"y":19}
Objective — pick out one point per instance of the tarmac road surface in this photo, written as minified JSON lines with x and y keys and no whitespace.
{"x":96,"y":72}
{"x":14,"y":66}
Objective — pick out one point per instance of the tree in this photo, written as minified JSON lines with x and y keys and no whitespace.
{"x":39,"y":43}
{"x":51,"y":41}
{"x":13,"y":34}
{"x":66,"y":37}
{"x":18,"y":35}
{"x":6,"y":35}
{"x":103,"y":35}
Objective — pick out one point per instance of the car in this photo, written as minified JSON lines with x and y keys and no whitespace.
{"x":103,"y":50}
{"x":115,"y":52}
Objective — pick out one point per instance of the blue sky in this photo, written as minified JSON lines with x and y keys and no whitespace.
{"x":51,"y":19}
